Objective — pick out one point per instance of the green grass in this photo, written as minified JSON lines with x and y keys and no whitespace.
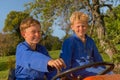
{"x":8,"y":61}
{"x":5,"y":64}
{"x":4,"y":74}
{"x":54,"y":54}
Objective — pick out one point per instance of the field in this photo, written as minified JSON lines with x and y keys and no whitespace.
{"x":8,"y":61}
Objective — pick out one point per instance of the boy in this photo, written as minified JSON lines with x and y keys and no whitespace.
{"x":32,"y":59}
{"x":79,"y":49}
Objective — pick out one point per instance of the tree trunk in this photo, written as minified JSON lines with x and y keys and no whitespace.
{"x":108,"y":47}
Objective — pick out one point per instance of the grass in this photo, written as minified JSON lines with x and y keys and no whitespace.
{"x":5,"y":66}
{"x":54,"y":54}
{"x":6,"y":61}
{"x":4,"y":75}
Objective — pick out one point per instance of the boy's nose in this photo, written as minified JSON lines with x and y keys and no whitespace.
{"x":37,"y":34}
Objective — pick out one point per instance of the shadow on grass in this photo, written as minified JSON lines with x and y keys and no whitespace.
{"x":3,"y":66}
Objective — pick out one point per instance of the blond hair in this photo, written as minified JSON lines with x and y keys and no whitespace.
{"x":79,"y":16}
{"x":28,"y":22}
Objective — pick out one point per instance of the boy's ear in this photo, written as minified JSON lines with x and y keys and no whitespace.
{"x":23,"y":33}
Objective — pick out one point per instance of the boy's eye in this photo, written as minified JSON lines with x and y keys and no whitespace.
{"x":80,"y":26}
{"x":33,"y":32}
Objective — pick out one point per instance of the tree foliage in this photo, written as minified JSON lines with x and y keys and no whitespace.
{"x":113,"y":25}
{"x":8,"y":44}
{"x":51,"y":42}
{"x":113,"y":31}
{"x":13,"y":21}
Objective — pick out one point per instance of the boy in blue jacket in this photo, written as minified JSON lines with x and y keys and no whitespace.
{"x":79,"y":49}
{"x":32,"y":59}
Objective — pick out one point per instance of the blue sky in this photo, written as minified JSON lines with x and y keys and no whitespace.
{"x":18,"y":5}
{"x":9,"y":5}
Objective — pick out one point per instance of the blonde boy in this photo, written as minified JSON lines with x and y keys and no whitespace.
{"x":79,"y":49}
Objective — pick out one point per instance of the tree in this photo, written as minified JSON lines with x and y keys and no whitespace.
{"x":59,"y":11}
{"x":113,"y":25}
{"x":51,"y":42}
{"x":13,"y":21}
{"x":113,"y":29}
{"x":7,"y":44}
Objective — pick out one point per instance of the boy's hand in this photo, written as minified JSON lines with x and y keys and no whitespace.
{"x":57,"y":63}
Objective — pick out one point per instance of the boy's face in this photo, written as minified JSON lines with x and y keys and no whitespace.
{"x":80,"y":28}
{"x":32,"y":34}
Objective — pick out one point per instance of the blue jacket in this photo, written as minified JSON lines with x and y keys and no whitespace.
{"x":76,"y":53}
{"x":30,"y":64}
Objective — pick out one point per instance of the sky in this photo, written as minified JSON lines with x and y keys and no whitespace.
{"x":10,"y":5}
{"x":18,"y":5}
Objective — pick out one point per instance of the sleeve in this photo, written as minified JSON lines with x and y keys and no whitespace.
{"x":96,"y":54}
{"x":27,"y":58}
{"x":66,"y":53}
{"x":45,"y":51}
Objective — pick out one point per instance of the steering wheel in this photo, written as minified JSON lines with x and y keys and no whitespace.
{"x":106,"y":70}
